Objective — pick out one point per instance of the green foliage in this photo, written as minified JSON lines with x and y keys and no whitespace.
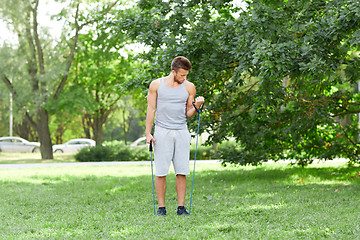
{"x":225,"y":151}
{"x":112,"y":151}
{"x":279,"y":76}
{"x":203,"y":152}
{"x":127,"y":120}
{"x":42,"y":63}
{"x":140,"y":154}
{"x":230,"y":152}
{"x":119,"y":151}
{"x":95,"y":154}
{"x":4,"y":111}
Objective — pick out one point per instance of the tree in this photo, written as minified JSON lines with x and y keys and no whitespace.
{"x":4,"y":109}
{"x":277,"y":76}
{"x":127,"y":122}
{"x":4,"y":117}
{"x":45,"y":71}
{"x":103,"y":73}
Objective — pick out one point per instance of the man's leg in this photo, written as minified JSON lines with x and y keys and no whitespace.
{"x":181,"y":167}
{"x":181,"y":192}
{"x":163,"y":152}
{"x":160,"y":185}
{"x":181,"y":189}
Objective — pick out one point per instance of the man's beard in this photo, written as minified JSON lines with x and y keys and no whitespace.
{"x":177,"y":80}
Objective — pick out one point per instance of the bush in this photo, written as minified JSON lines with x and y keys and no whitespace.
{"x":119,"y":151}
{"x":225,"y":151}
{"x":95,"y":154}
{"x":228,"y":152}
{"x":112,"y":151}
{"x":203,"y":152}
{"x":124,"y":152}
{"x":140,"y":154}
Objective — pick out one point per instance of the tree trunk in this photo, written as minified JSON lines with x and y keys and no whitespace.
{"x":44,"y":134}
{"x":125,"y":129}
{"x":86,"y":124}
{"x":59,"y":133}
{"x":215,"y":147}
{"x":25,"y":130}
{"x":98,"y":130}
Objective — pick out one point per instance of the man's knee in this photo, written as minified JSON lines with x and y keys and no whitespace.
{"x":160,"y":179}
{"x":180,"y":175}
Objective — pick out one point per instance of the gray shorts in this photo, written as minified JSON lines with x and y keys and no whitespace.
{"x":171,"y":146}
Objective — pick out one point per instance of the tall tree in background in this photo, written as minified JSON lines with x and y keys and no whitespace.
{"x":4,"y":118}
{"x":45,"y":68}
{"x":127,"y":122}
{"x":99,"y":77}
{"x":103,"y":73}
{"x":277,"y":75}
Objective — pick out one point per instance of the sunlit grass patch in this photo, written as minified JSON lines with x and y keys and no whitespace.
{"x":115,"y":202}
{"x":10,"y":158}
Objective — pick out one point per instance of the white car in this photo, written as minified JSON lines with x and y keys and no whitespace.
{"x":17,"y":144}
{"x":140,"y":142}
{"x":74,"y":145}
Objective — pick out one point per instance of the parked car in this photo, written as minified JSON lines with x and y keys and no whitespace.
{"x":140,"y":142}
{"x":74,"y":145}
{"x":18,"y":144}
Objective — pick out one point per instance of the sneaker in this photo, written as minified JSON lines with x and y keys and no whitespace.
{"x":182,"y":211}
{"x":161,"y":211}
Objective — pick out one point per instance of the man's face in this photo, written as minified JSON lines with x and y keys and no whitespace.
{"x":180,"y":75}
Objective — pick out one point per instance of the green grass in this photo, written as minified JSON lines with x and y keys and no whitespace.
{"x":10,"y":158}
{"x":115,"y":202}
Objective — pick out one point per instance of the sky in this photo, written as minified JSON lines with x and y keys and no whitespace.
{"x":46,"y":8}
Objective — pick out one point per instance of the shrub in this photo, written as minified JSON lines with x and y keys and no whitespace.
{"x":228,"y":152}
{"x":95,"y":154}
{"x":112,"y":151}
{"x":140,"y":154}
{"x":119,"y":151}
{"x":203,"y":152}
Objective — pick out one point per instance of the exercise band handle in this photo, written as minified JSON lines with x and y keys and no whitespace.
{"x":150,"y":146}
{"x":198,"y":110}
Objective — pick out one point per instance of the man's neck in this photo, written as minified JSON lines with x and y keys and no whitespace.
{"x":170,"y":81}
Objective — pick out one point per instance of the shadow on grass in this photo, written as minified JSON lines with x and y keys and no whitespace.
{"x":285,"y":173}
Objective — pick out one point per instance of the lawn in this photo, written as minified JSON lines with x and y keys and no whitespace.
{"x":274,"y":201}
{"x":10,"y":158}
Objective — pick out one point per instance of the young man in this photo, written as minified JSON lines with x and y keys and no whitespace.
{"x":170,"y":98}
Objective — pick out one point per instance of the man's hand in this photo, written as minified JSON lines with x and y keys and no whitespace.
{"x":199,"y":101}
{"x":150,"y":138}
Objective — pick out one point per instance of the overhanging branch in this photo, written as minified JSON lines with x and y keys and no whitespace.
{"x":73,"y":47}
{"x":9,"y":85}
{"x":7,"y":82}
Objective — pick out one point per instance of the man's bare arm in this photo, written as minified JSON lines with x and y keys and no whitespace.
{"x":190,"y":110}
{"x":151,"y":109}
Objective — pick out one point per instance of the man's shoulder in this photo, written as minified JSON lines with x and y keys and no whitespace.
{"x":189,"y":85}
{"x":155,"y":83}
{"x":158,"y":80}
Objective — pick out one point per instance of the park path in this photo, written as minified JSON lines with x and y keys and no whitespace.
{"x":37,"y":165}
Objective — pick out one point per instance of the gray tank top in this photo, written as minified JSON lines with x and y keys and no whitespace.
{"x":171,"y":106}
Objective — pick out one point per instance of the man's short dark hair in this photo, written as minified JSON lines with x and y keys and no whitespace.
{"x":181,"y":62}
